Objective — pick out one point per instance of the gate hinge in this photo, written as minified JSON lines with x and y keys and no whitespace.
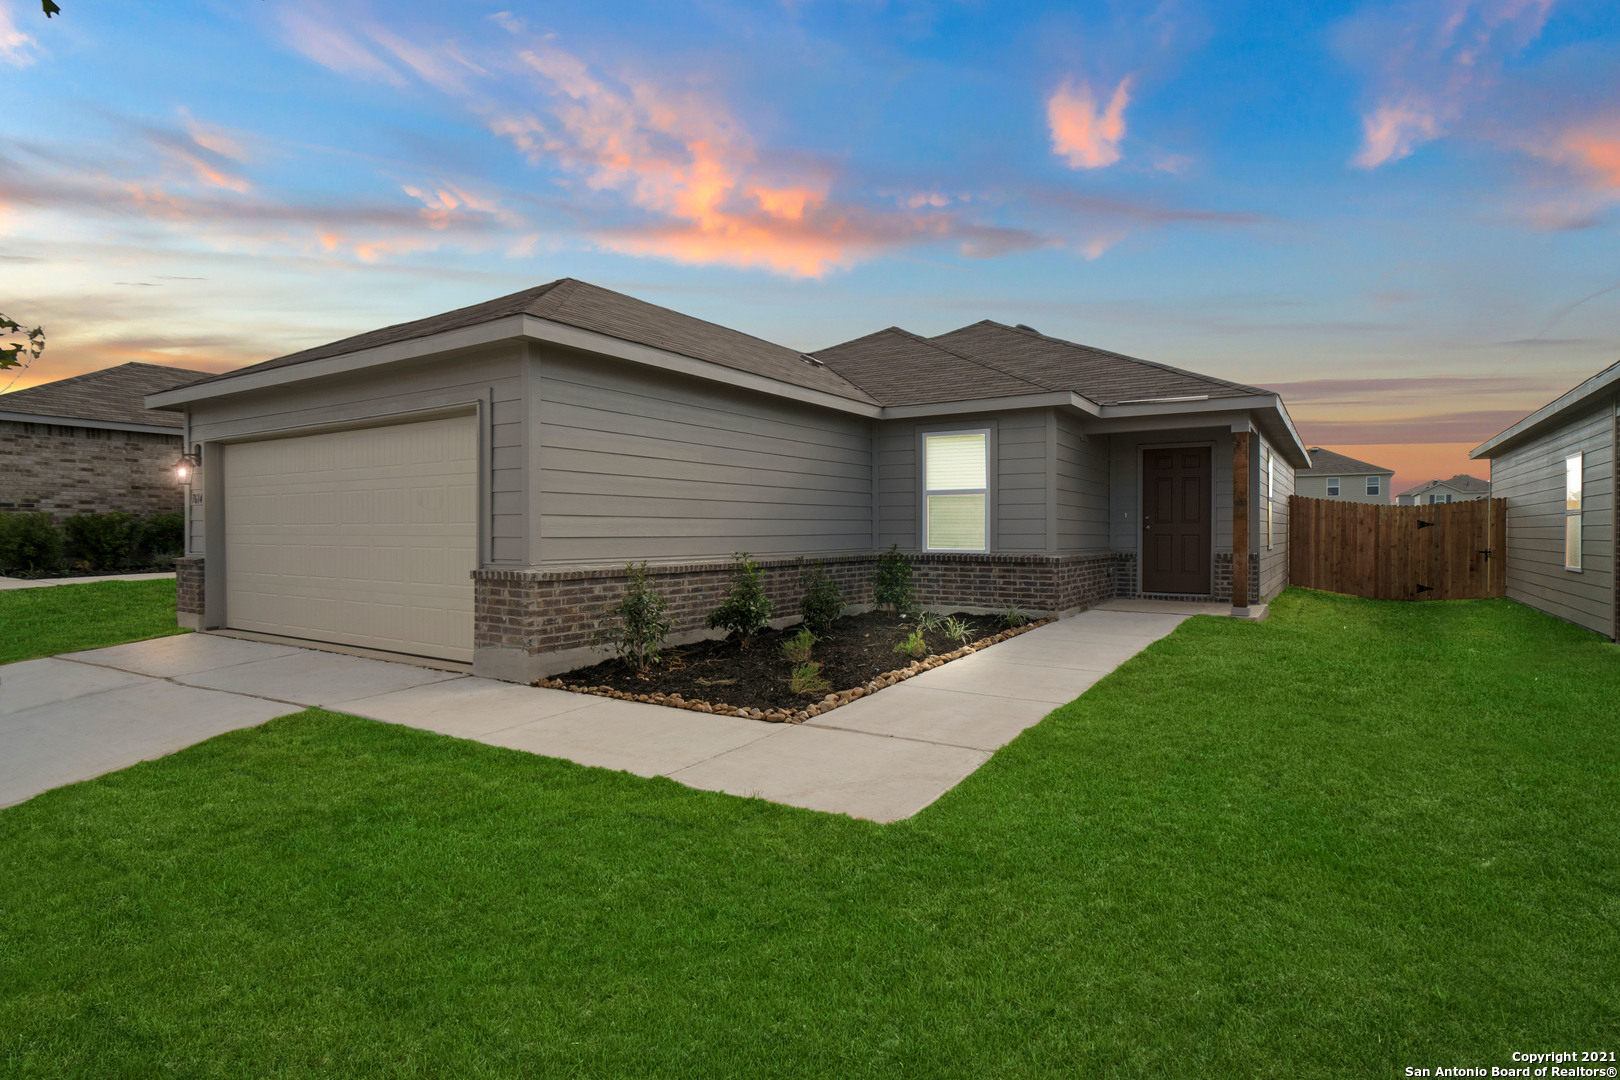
{"x":1425,"y":524}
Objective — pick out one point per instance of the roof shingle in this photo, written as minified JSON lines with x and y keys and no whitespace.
{"x":1328,"y":462}
{"x":114,"y":395}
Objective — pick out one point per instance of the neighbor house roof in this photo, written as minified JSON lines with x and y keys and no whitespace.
{"x":1468,"y":485}
{"x":1549,"y":414}
{"x":590,"y":307}
{"x":1328,"y":463}
{"x":114,"y":395}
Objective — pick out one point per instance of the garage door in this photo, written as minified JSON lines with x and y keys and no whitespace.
{"x":361,"y":537}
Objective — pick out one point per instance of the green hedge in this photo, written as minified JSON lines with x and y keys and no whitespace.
{"x":34,"y":544}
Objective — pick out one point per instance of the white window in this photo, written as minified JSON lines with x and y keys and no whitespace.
{"x":956,"y":491}
{"x":1333,"y":485}
{"x":1572,"y":511}
{"x":1265,"y":454}
{"x":1372,"y":485}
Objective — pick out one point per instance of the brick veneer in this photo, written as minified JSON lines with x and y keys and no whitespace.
{"x":188,"y":590}
{"x":70,"y":470}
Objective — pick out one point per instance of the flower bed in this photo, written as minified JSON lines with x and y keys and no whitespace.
{"x":857,"y":654}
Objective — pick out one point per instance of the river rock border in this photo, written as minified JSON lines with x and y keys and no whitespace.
{"x":798,"y":716}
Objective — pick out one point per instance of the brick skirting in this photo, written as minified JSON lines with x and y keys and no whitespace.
{"x":188,"y":590}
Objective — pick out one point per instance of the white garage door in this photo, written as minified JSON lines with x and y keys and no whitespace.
{"x":363,"y":537}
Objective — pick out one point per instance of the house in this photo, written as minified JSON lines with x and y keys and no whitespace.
{"x":1460,"y":488}
{"x":1335,"y":476}
{"x":1556,"y":471}
{"x":470,"y":486}
{"x":90,"y":444}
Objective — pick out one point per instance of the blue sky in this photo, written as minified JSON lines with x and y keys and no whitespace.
{"x":1403,"y":216}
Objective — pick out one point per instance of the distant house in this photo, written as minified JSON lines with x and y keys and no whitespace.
{"x":1335,"y":476}
{"x":90,"y":444}
{"x":1459,"y":488}
{"x":1556,"y":470}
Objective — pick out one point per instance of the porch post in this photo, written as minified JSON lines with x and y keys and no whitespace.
{"x":1240,"y":519}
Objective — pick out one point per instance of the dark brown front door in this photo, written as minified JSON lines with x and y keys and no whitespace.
{"x":1176,"y":520}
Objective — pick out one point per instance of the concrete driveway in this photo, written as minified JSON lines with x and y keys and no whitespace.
{"x":885,"y":757}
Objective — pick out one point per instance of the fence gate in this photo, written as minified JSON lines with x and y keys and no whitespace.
{"x":1449,"y":551}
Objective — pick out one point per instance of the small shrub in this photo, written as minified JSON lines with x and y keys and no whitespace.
{"x":891,"y":580}
{"x":957,"y":630}
{"x":103,"y":541}
{"x":29,"y":543}
{"x":807,"y":679}
{"x":162,"y":535}
{"x":928,"y":621}
{"x":822,"y":601}
{"x":1013,"y":616}
{"x":746,"y":609}
{"x":914,"y":646}
{"x":796,"y":648}
{"x":643,"y":621}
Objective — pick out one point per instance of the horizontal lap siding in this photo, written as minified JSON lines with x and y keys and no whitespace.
{"x":1082,"y":488}
{"x":1021,"y":472}
{"x":636,"y":465}
{"x":1531,"y":479}
{"x":1274,"y":561}
{"x":895,"y":465}
{"x":491,"y":377}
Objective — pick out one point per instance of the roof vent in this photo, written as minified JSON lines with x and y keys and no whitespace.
{"x":1026,"y":326}
{"x":812,"y":361}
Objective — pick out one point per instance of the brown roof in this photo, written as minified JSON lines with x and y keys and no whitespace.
{"x":1462,"y":482}
{"x":990,"y":359}
{"x":114,"y":395}
{"x":1328,"y":463}
{"x":590,"y":307}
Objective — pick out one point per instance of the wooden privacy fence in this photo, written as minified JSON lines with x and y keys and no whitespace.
{"x":1449,"y":551}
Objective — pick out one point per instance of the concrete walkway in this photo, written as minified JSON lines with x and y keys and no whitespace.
{"x":884,"y":757}
{"x":7,"y":583}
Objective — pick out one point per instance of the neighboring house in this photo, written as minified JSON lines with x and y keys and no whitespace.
{"x":1556,"y":469}
{"x":90,"y":444}
{"x":1335,"y":476}
{"x":1460,"y":488}
{"x":470,"y":486}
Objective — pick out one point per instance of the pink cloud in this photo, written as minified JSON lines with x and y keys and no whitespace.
{"x":1088,"y":137}
{"x":319,"y":38}
{"x":1393,"y":130}
{"x":16,"y":48}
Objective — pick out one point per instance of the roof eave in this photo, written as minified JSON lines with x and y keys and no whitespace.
{"x":1294,"y":450}
{"x":1606,"y":379}
{"x":87,"y":422}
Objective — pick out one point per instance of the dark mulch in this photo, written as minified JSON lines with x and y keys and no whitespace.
{"x":856,"y":648}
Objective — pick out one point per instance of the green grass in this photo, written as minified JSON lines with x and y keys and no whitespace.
{"x":66,"y":618}
{"x":1356,"y":837}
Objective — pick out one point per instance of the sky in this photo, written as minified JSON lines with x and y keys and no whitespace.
{"x":1402,"y":217}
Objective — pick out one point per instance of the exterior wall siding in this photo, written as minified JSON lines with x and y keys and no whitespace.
{"x":637,"y":466}
{"x":1352,"y":488}
{"x":1082,"y":487}
{"x":1531,"y":479}
{"x":1272,"y":572}
{"x":64,"y":471}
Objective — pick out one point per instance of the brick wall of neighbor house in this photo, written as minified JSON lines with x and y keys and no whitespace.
{"x":188,"y":585}
{"x":71,"y":470}
{"x":545,"y":611}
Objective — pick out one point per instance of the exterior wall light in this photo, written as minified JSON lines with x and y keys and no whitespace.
{"x":187,"y":466}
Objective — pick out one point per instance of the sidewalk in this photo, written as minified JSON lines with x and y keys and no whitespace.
{"x":39,"y":583}
{"x":883,"y":757}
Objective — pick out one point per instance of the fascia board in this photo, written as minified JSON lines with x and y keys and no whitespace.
{"x":105,"y":425}
{"x":1603,"y":380}
{"x":1053,"y":399}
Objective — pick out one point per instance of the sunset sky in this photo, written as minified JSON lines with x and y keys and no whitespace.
{"x":1403,"y":217}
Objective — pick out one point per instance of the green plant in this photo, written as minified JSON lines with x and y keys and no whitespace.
{"x":796,"y":647}
{"x":29,"y":542}
{"x":914,"y":646}
{"x":807,"y":679}
{"x":162,"y":535}
{"x":103,"y":541}
{"x":957,"y":630}
{"x":1013,"y":616}
{"x":746,"y":609}
{"x":643,"y":621}
{"x":891,"y":580}
{"x":822,"y":601}
{"x":928,"y":621}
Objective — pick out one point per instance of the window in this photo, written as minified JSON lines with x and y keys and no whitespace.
{"x":1439,"y":499}
{"x":956,"y":491}
{"x":1333,"y":485}
{"x":1572,"y":511}
{"x":1372,"y":485}
{"x":1266,"y":456}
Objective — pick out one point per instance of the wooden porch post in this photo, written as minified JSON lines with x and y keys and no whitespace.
{"x":1240,"y":519}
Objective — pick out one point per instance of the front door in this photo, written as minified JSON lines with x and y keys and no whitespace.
{"x":1176,"y":528}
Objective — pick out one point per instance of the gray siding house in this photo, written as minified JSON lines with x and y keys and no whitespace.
{"x":1460,"y":488}
{"x":1556,"y":469}
{"x":470,"y":486}
{"x":1335,"y":476}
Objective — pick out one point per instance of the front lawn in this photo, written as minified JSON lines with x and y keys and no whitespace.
{"x":1354,"y":838}
{"x":66,"y":618}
